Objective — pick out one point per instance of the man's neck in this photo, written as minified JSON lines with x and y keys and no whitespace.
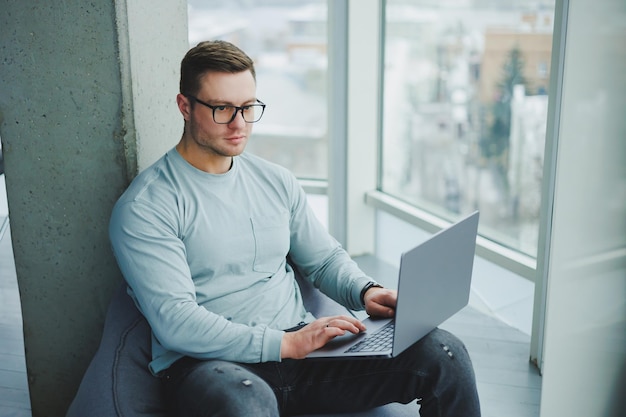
{"x":203,"y":160}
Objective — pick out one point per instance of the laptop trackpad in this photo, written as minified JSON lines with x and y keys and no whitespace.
{"x":339,"y":345}
{"x":342,"y":342}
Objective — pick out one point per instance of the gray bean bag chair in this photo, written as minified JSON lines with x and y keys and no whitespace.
{"x":117,"y":382}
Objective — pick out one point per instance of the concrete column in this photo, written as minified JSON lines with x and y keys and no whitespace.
{"x":86,"y":99}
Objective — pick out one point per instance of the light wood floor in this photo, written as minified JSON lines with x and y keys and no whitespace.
{"x":14,"y":399}
{"x":508,"y":385}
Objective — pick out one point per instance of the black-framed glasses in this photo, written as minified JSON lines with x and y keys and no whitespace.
{"x":224,"y":114}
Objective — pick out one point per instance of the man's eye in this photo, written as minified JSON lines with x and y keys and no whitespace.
{"x":221,"y":108}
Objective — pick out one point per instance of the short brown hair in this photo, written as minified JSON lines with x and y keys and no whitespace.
{"x":218,"y":56}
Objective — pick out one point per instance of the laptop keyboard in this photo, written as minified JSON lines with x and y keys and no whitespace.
{"x":378,"y":342}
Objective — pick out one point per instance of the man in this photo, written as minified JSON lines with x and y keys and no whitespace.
{"x":202,"y":238}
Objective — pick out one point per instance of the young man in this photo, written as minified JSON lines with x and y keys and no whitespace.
{"x":202,"y":238}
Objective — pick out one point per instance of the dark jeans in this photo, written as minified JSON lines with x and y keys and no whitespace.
{"x":436,"y":370}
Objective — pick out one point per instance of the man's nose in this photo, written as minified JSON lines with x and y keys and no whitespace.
{"x":238,"y":120}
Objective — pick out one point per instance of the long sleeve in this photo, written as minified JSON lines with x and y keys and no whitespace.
{"x":321,"y":258}
{"x":153,"y":260}
{"x":204,"y":257}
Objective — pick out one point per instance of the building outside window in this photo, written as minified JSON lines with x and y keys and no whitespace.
{"x":465,"y":109}
{"x":287,"y":40}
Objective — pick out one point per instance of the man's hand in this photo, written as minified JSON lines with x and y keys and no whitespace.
{"x":380,"y":302}
{"x":298,"y":344}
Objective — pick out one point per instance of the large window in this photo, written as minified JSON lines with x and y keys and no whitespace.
{"x":464,"y":111}
{"x":287,"y":40}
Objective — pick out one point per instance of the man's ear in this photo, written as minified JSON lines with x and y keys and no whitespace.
{"x":184,"y":105}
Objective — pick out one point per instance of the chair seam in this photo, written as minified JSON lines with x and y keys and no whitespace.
{"x":118,"y":351}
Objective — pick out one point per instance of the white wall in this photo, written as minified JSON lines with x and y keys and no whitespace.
{"x":584,"y":357}
{"x":150,"y":70}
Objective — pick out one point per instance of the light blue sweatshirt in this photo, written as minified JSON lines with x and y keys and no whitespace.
{"x":204,"y":256}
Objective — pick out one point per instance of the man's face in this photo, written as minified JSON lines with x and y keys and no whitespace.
{"x":221,"y":140}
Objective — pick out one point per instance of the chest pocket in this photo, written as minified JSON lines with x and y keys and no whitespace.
{"x":271,"y":241}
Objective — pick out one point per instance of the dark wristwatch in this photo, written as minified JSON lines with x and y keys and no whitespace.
{"x":367,"y":287}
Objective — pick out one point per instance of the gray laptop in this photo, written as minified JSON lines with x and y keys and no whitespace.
{"x":434,"y":284}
